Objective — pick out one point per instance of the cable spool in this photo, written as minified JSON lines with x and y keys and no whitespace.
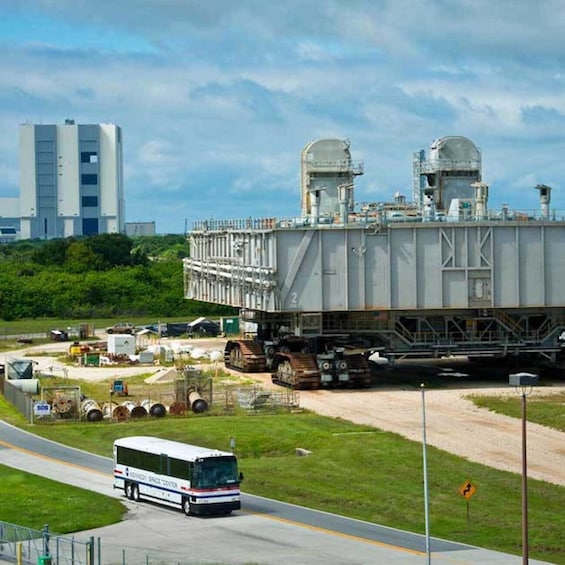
{"x":62,"y":404}
{"x":115,"y":411}
{"x":177,"y":408}
{"x":91,"y":410}
{"x":197,"y":403}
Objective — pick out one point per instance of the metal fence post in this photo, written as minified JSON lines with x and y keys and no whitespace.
{"x":46,"y":539}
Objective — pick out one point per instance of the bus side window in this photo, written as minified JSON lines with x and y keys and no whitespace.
{"x":179,"y":469}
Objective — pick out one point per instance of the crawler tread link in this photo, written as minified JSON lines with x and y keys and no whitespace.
{"x":245,"y":355}
{"x":359,"y":370}
{"x":296,"y":370}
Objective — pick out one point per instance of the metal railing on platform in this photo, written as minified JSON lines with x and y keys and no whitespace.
{"x":376,"y":216}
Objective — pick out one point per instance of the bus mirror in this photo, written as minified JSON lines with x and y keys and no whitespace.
{"x":240,"y":477}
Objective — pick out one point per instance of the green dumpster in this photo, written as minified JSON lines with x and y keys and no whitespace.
{"x":92,"y":359}
{"x":44,"y":560}
{"x":230,"y":326}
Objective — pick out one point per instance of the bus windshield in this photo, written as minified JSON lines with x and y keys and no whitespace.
{"x":215,"y":472}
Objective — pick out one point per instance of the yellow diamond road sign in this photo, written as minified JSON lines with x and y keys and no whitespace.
{"x":467,"y":490}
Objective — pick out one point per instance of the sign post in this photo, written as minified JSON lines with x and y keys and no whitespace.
{"x":467,"y":490}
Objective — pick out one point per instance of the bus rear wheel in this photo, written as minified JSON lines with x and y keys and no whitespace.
{"x":135,"y":493}
{"x":186,"y":506}
{"x":129,"y":491}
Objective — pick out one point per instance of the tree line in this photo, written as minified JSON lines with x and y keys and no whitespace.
{"x":101,"y":276}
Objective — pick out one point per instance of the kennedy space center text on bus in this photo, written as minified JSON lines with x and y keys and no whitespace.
{"x":198,"y":479}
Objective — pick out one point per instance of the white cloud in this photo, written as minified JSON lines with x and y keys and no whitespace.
{"x":220,"y":97}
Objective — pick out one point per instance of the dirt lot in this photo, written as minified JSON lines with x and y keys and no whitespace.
{"x":453,"y":422}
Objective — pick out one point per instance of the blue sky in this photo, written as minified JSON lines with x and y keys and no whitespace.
{"x":218,"y":98}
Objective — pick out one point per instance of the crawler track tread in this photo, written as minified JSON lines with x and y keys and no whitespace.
{"x":298,"y":371}
{"x":245,"y":355}
{"x":359,"y":371}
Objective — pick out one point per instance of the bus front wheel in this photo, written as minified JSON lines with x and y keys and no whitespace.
{"x":186,"y":506}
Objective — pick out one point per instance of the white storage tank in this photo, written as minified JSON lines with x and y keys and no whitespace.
{"x":121,"y":344}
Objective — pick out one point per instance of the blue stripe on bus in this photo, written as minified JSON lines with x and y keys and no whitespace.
{"x":188,"y":492}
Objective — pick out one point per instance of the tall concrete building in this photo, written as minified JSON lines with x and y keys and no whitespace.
{"x":71,"y":180}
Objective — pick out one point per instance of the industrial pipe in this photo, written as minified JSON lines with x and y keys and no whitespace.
{"x":134,"y":410}
{"x":155,"y":409}
{"x":196,"y":402}
{"x":91,"y":410}
{"x":31,"y":386}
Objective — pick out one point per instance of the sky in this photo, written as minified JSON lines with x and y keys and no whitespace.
{"x":217,"y":99}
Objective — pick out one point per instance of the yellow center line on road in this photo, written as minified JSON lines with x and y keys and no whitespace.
{"x":338,"y":534}
{"x":49,"y":458}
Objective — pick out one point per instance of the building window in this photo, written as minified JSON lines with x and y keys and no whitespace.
{"x":89,"y":201}
{"x":90,"y":226}
{"x":89,"y":157}
{"x":89,"y":179}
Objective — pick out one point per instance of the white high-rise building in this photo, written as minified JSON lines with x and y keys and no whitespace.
{"x":71,"y":180}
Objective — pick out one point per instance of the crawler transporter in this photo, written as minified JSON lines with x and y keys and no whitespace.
{"x":441,"y":274}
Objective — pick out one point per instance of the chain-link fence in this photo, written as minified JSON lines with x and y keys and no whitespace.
{"x":25,"y":545}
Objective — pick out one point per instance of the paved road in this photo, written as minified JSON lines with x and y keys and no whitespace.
{"x":265,"y":532}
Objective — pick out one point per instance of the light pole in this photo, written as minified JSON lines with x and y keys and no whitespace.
{"x":425,"y":465}
{"x":523,"y":382}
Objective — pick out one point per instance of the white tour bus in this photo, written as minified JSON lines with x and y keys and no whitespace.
{"x":199,"y":480}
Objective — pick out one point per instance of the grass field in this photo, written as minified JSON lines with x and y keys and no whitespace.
{"x":45,"y":325}
{"x":354,"y":470}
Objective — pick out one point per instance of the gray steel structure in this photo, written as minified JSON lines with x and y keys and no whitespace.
{"x":410,"y":286}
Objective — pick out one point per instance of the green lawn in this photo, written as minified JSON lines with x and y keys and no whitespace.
{"x":32,"y":501}
{"x":357,"y":471}
{"x":547,"y":410}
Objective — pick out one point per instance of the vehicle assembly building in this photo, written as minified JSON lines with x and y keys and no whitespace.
{"x":440,"y":275}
